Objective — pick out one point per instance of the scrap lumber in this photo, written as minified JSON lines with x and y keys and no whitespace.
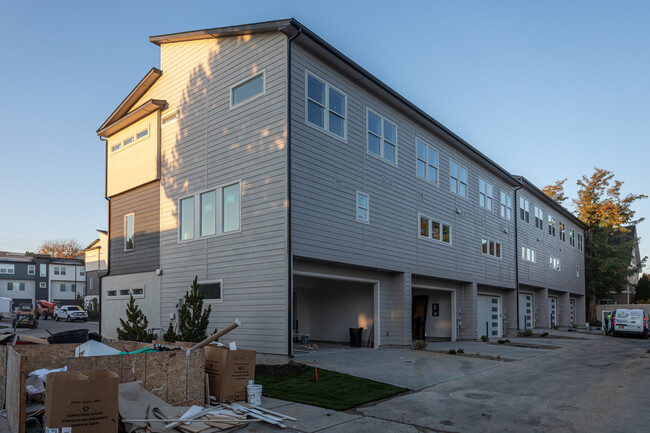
{"x":216,"y":336}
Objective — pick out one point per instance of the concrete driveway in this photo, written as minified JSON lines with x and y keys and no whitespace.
{"x":51,"y":325}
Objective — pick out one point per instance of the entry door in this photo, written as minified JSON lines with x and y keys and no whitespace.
{"x":552,"y":311}
{"x":572,"y":309}
{"x":489,"y":315}
{"x":525,"y":311}
{"x":419,"y":317}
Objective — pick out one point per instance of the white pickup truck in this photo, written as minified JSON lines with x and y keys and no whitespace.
{"x":70,"y":313}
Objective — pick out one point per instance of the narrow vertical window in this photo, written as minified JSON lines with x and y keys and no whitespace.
{"x":42,"y":269}
{"x":539,"y":218}
{"x":551,"y":225}
{"x":424,"y":227}
{"x":457,"y":178}
{"x":363,"y":207}
{"x":187,"y":219}
{"x":31,"y":269}
{"x":485,"y":194}
{"x":524,"y":209}
{"x":427,"y":162}
{"x":208,"y":213}
{"x":231,"y":208}
{"x":129,"y":239}
{"x":315,"y":102}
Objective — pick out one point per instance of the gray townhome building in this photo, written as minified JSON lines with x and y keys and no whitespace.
{"x":309,"y":198}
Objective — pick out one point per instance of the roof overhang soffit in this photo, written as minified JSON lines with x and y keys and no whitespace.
{"x":141,"y":112}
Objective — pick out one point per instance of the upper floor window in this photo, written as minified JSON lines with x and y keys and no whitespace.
{"x":577,"y":271}
{"x":42,"y":270}
{"x":485,"y":194}
{"x":580,"y":241}
{"x":60,"y":270}
{"x":248,"y":89}
{"x":16,"y":286}
{"x":142,"y":134}
{"x":427,"y":161}
{"x":572,"y":237}
{"x":562,"y":231}
{"x":31,"y":269}
{"x":382,"y":137}
{"x":186,"y":223}
{"x":524,"y":209}
{"x":129,"y":235}
{"x":528,"y":254}
{"x":551,"y":225}
{"x":506,"y":206}
{"x":435,"y":230}
{"x":491,"y":248}
{"x":7,"y":268}
{"x":171,"y":117}
{"x":539,"y":218}
{"x":554,"y":263}
{"x":457,"y":178}
{"x":326,"y":106}
{"x":363,"y":207}
{"x":219,"y":211}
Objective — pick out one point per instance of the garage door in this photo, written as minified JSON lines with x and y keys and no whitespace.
{"x":489,"y":315}
{"x":572,"y":309}
{"x":552,"y":311}
{"x":525,"y":311}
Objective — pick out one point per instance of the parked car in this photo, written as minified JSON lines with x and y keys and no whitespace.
{"x":627,"y":321}
{"x":70,"y":313}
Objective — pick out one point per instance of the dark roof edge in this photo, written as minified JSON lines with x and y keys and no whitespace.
{"x":246,"y":29}
{"x":550,"y":201}
{"x":128,"y":119}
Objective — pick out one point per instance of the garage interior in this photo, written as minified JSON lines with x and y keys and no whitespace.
{"x":324,"y":309}
{"x":433,"y":313}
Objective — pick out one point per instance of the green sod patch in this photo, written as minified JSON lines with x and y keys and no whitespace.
{"x":333,"y":390}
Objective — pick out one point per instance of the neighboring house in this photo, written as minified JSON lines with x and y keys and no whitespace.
{"x":67,"y":279}
{"x":17,"y":277}
{"x":309,"y":197}
{"x":96,"y":263}
{"x":628,"y":293}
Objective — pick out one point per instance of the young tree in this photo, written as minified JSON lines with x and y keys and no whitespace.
{"x":65,"y":249}
{"x":556,"y":191}
{"x":170,"y":334}
{"x":607,"y":248}
{"x":135,"y":326}
{"x":192,"y":318}
{"x":642,"y":289}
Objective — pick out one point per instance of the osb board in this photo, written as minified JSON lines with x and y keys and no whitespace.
{"x":3,"y":375}
{"x":15,"y":396}
{"x":46,"y":355}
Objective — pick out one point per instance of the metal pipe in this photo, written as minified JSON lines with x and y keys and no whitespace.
{"x":516,"y":252}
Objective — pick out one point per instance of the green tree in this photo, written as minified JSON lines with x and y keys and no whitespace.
{"x":193,"y":320}
{"x":642,"y":289}
{"x":136,"y":324}
{"x":170,"y":334}
{"x":556,"y":191}
{"x":607,"y":246}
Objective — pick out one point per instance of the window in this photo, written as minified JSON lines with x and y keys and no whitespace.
{"x":31,"y":269}
{"x":42,"y":285}
{"x":125,"y":292}
{"x":457,"y":178}
{"x":170,"y":118}
{"x":59,"y":270}
{"x":63,"y":287}
{"x":208,"y":215}
{"x":435,"y":230}
{"x":363,"y":207}
{"x":42,"y":270}
{"x":572,"y":237}
{"x":7,"y":268}
{"x":137,"y":292}
{"x":212,"y":289}
{"x":116,"y":147}
{"x":539,"y":218}
{"x":485,"y":194}
{"x":142,"y":134}
{"x":577,"y":271}
{"x":186,"y":224}
{"x":129,"y":236}
{"x":326,"y":106}
{"x":551,"y":225}
{"x":506,"y":206}
{"x":491,"y":248}
{"x":82,"y":272}
{"x":554,"y":263}
{"x":528,"y":254}
{"x":128,"y":141}
{"x":231,"y":208}
{"x":382,"y":137}
{"x":580,"y":241}
{"x":427,"y":161}
{"x":111,"y":293}
{"x":524,"y":209}
{"x":90,"y":283}
{"x":56,"y":270}
{"x":16,"y":286}
{"x":247,"y":90}
{"x":562,"y":230}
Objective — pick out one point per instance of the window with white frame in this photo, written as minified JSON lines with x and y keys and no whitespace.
{"x":212,"y":290}
{"x":129,"y":233}
{"x":248,"y":89}
{"x":435,"y":230}
{"x":210,"y":213}
{"x":580,"y":241}
{"x":60,"y":270}
{"x":427,"y":161}
{"x":326,"y":106}
{"x":551,"y":225}
{"x":171,"y":117}
{"x":7,"y":268}
{"x":65,"y":287}
{"x":528,"y":254}
{"x":126,"y":293}
{"x":562,"y":231}
{"x":382,"y":137}
{"x":457,"y":178}
{"x":485,"y":194}
{"x":539,"y":218}
{"x":572,"y":237}
{"x":42,"y":270}
{"x":554,"y":263}
{"x":490,"y":248}
{"x":82,"y":272}
{"x":524,"y":209}
{"x":31,"y":269}
{"x":577,"y":271}
{"x":42,"y":285}
{"x":506,"y":206}
{"x":16,"y":286}
{"x":111,"y":293}
{"x":363,"y":207}
{"x":142,"y":134}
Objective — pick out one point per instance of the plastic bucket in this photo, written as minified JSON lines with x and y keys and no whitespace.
{"x":254,"y":394}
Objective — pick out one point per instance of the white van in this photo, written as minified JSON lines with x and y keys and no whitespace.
{"x":6,"y":308}
{"x":625,"y":321}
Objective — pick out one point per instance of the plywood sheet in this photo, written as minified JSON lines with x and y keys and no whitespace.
{"x":15,"y":396}
{"x":3,"y":375}
{"x":46,"y":355}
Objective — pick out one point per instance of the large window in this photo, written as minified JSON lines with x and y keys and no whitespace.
{"x":326,"y":106}
{"x":363,"y":207}
{"x":457,"y":178}
{"x":427,"y":161}
{"x":539,"y":218}
{"x":506,"y":206}
{"x":562,"y":230}
{"x":16,"y":286}
{"x":490,"y":248}
{"x":528,"y":254}
{"x":434,"y":230}
{"x":7,"y":268}
{"x":485,"y":194}
{"x":129,"y":236}
{"x":64,"y":287}
{"x":218,"y":212}
{"x":524,"y":209}
{"x":247,"y":90}
{"x":551,"y":225}
{"x":382,"y":137}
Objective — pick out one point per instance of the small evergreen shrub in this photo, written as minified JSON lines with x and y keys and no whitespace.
{"x":420,"y":344}
{"x":485,"y":338}
{"x":136,"y":324}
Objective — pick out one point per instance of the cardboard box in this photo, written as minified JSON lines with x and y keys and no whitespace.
{"x":82,"y":401}
{"x":229,"y":372}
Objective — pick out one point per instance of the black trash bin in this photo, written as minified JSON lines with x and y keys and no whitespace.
{"x":355,"y":337}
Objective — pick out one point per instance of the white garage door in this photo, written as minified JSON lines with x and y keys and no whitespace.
{"x":572,"y":309}
{"x":489,"y":316}
{"x":525,"y":311}
{"x":552,"y":311}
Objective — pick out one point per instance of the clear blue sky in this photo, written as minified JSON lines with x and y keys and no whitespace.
{"x":547,"y":89}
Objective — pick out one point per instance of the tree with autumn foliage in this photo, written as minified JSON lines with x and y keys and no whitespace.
{"x":64,"y":249}
{"x":556,"y":191}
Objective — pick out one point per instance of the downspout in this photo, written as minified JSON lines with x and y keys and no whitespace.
{"x":289,"y":255}
{"x":517,"y":253}
{"x":108,"y":261}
